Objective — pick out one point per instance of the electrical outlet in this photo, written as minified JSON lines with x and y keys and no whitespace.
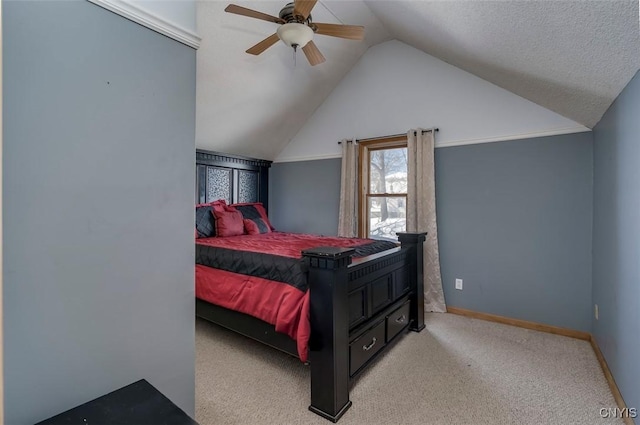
{"x":459,"y":284}
{"x":596,"y":311}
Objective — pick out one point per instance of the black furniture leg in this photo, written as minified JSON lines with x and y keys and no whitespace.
{"x":329,"y":341}
{"x":415,"y":242}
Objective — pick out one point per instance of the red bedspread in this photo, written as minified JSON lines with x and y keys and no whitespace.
{"x":277,"y":303}
{"x":281,"y":243}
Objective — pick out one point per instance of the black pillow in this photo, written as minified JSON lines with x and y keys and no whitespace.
{"x":250,"y":212}
{"x":205,"y":222}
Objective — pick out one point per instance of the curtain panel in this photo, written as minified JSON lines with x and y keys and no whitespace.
{"x":421,"y":212}
{"x":348,"y":216}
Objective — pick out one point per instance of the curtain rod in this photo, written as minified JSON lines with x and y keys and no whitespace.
{"x":393,"y":135}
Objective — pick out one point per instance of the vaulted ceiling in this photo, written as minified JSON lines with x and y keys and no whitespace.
{"x":572,"y":57}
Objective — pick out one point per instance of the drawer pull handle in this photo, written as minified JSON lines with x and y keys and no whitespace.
{"x":370,"y":346}
{"x":401,"y":319}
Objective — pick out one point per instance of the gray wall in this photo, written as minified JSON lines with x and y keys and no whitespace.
{"x":514,"y":222}
{"x":98,"y":208}
{"x":304,"y":197}
{"x":616,"y":239}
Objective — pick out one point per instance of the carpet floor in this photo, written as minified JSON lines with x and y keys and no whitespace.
{"x":456,"y":371}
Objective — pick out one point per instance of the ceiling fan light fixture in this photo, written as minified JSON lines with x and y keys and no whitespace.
{"x":295,"y":34}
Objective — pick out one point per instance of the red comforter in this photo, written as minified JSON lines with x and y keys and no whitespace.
{"x":278,"y":303}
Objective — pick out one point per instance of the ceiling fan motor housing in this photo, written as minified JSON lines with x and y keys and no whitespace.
{"x":287,"y":14}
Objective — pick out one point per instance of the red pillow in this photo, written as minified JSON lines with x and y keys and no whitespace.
{"x":216,"y":203}
{"x":205,"y":221}
{"x":228,"y":223}
{"x":256,"y":226}
{"x":219,"y":205}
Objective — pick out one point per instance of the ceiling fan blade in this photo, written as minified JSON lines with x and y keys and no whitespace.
{"x":352,"y":32}
{"x":303,"y":7}
{"x":239,"y":10}
{"x":263,"y":45}
{"x":313,"y":54}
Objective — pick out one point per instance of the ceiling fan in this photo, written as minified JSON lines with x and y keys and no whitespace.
{"x":297,"y":29}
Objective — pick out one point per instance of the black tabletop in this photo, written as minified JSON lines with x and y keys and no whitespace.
{"x":137,"y":404}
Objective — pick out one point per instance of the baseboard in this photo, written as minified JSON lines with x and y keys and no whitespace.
{"x":586,"y":336}
{"x":612,"y":383}
{"x":557,"y":331}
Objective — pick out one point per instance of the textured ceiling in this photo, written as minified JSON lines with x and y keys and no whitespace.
{"x":572,"y":57}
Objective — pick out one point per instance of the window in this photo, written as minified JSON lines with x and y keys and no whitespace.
{"x":383,"y":188}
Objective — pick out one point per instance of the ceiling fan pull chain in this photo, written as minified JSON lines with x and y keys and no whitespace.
{"x":294,"y":55}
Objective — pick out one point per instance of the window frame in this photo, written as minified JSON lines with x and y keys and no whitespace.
{"x":365,"y":147}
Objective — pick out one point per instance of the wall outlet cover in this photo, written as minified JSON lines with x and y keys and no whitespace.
{"x":459,"y":284}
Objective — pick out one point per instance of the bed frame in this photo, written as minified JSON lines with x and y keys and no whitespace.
{"x":358,"y":308}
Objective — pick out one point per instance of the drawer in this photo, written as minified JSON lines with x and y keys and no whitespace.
{"x":397,"y":321}
{"x":363,"y":348}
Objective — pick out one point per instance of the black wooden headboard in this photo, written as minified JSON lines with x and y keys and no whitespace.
{"x":234,"y":178}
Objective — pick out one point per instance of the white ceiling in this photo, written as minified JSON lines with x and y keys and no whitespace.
{"x":572,"y":57}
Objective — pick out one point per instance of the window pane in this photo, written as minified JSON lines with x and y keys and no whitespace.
{"x":388,"y":171}
{"x":387,"y":215}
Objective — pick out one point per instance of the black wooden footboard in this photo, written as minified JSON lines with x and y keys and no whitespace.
{"x":356,"y":311}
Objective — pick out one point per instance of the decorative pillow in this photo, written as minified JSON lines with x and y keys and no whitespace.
{"x":219,"y":205}
{"x":255,"y":226}
{"x":205,"y":221}
{"x":252,"y":211}
{"x":228,"y":223}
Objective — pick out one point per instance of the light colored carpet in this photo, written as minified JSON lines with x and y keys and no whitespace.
{"x":456,"y":371}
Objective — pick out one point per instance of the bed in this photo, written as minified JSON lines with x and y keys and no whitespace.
{"x":336,"y":303}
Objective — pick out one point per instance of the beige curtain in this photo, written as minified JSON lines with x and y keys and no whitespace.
{"x":421,"y":212}
{"x":348,"y":216}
